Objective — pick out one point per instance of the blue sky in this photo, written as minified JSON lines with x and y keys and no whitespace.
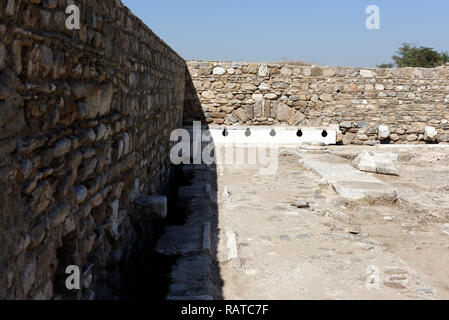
{"x":325,"y":32}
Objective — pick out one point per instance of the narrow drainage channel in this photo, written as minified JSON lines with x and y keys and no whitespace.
{"x":147,"y":277}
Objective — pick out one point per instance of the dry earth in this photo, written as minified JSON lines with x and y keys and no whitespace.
{"x":270,"y":249}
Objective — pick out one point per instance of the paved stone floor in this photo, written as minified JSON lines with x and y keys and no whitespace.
{"x":270,"y":249}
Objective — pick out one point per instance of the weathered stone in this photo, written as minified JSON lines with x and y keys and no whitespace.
{"x":98,"y":100}
{"x":248,"y":87}
{"x":29,"y":275}
{"x":412,"y":137}
{"x":366,"y":73}
{"x":38,"y":233}
{"x":282,"y":112}
{"x":87,"y":168}
{"x":286,"y":71}
{"x":208,"y":95}
{"x":80,"y":193}
{"x":326,"y":97}
{"x":67,"y":97}
{"x":270,"y":96}
{"x":384,"y":132}
{"x":219,"y":71}
{"x":41,"y":196}
{"x":58,"y":215}
{"x":60,"y":148}
{"x":263,"y":71}
{"x":250,"y":111}
{"x":126,"y":143}
{"x":3,"y":56}
{"x":346,"y":125}
{"x":115,"y":219}
{"x":264,"y":87}
{"x":350,"y":183}
{"x":40,"y":62}
{"x":443,"y":138}
{"x":100,"y":131}
{"x":96,"y":200}
{"x":26,"y":167}
{"x":241,"y":114}
{"x":378,"y":162}
{"x":430,"y":134}
{"x":151,"y":207}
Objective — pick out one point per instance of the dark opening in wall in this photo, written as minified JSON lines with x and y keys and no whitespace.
{"x":248,"y":132}
{"x":149,"y":277}
{"x":225,"y":133}
{"x":273,"y":133}
{"x":299,"y":133}
{"x":324,"y":134}
{"x":176,"y":215}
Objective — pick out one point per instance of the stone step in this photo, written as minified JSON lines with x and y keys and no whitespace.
{"x":191,"y":243}
{"x":151,"y":207}
{"x":347,"y":181}
{"x":191,"y":277}
{"x":194,"y":191}
{"x":189,"y":170}
{"x":181,"y":240}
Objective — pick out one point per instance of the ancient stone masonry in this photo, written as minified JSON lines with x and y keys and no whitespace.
{"x":85,"y":123}
{"x":358,"y":101}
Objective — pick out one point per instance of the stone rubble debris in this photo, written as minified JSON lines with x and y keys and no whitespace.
{"x":302,"y":204}
{"x":377,"y":162}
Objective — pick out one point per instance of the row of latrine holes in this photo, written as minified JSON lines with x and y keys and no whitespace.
{"x":299,"y":133}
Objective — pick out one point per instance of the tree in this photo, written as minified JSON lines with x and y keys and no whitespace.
{"x":386,"y":65}
{"x":412,"y":56}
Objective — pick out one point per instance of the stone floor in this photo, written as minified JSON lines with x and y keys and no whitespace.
{"x":334,"y":249}
{"x":291,"y":235}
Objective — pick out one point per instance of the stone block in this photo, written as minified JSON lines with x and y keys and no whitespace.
{"x":151,"y":207}
{"x":378,"y":162}
{"x":384,"y":132}
{"x":430,"y":134}
{"x":218,"y":71}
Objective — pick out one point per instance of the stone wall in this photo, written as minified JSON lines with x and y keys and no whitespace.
{"x":85,"y":120}
{"x":357,"y":100}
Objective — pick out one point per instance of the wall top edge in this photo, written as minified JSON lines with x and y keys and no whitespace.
{"x":237,"y":64}
{"x":147,"y":28}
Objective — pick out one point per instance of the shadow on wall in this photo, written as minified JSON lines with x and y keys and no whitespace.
{"x":193,"y":110}
{"x":177,"y":259}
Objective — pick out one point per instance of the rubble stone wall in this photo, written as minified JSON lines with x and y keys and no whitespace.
{"x":356,"y":100}
{"x":85,"y":123}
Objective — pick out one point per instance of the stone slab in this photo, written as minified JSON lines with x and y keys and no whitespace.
{"x":180,"y":240}
{"x":190,"y":277}
{"x":347,"y":181}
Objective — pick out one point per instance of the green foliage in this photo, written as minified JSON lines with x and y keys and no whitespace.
{"x":445,"y":57}
{"x":412,"y":56}
{"x":386,"y":65}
